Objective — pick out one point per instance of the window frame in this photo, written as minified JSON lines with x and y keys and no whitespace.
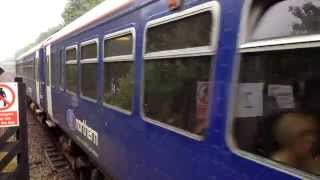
{"x":71,"y":62}
{"x":244,"y":46}
{"x":121,"y":58}
{"x":89,"y":61}
{"x":214,"y":8}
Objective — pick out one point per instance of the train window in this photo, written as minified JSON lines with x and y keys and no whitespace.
{"x":89,"y":51}
{"x":61,"y":67}
{"x":71,"y":70}
{"x":119,"y":84}
{"x":88,"y":61}
{"x":118,"y":46}
{"x":71,"y":54}
{"x":34,"y":73}
{"x":176,"y":84}
{"x":278,"y":101}
{"x":288,"y":18}
{"x":277,"y":110}
{"x":89,"y":80}
{"x":54,"y":69}
{"x":48,"y":80}
{"x":35,"y":69}
{"x":173,"y":35}
{"x":27,"y":70}
{"x":119,"y":69}
{"x":71,"y":77}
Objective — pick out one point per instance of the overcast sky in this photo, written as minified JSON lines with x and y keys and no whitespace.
{"x":23,"y":20}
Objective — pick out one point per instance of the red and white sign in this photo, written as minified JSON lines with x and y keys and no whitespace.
{"x":9,"y":105}
{"x":202,"y":101}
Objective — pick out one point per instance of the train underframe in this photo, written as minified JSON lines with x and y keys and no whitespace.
{"x":80,"y":162}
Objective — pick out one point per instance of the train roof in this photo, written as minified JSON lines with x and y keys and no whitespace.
{"x":103,"y":10}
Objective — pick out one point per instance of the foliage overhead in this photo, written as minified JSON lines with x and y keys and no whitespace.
{"x":76,"y":8}
{"x":309,"y":18}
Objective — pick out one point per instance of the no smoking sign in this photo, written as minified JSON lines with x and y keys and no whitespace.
{"x":9,"y":105}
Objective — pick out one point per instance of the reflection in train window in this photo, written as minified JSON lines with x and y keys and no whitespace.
{"x":54,"y":70}
{"x":61,"y":69}
{"x":119,"y":71}
{"x":89,"y":51}
{"x":71,"y":77}
{"x":119,"y":82}
{"x":89,"y":70}
{"x":71,"y":54}
{"x":290,"y":17}
{"x":27,"y":70}
{"x":48,"y":70}
{"x":34,"y":74}
{"x":89,"y":80}
{"x":173,"y":35}
{"x":71,"y":70}
{"x":278,"y":109}
{"x":119,"y":46}
{"x":176,"y":92}
{"x":176,"y":89}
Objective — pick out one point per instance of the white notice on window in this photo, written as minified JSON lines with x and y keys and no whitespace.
{"x":250,"y":100}
{"x":283,"y":95}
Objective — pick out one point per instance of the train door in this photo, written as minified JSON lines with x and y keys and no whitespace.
{"x":37,"y":77}
{"x":48,"y":81}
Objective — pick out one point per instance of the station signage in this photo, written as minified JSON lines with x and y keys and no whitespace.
{"x":9,"y":105}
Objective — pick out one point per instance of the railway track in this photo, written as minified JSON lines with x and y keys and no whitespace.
{"x":47,"y":162}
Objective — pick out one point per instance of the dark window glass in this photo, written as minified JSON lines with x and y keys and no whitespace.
{"x":118,"y":46}
{"x":193,"y":31}
{"x":89,"y":80}
{"x":25,"y":70}
{"x":289,"y":18}
{"x":34,"y":68}
{"x":71,"y":77}
{"x":89,"y":51}
{"x":61,"y":67}
{"x":278,"y":107}
{"x":71,"y":54}
{"x":20,"y":69}
{"x":47,"y":71}
{"x":119,"y":81}
{"x":176,"y":92}
{"x":54,"y":70}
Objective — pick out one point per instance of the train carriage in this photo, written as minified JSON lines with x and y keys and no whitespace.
{"x":170,"y":89}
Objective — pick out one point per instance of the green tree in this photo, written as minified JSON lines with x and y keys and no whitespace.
{"x":41,"y":37}
{"x":309,"y":15}
{"x":76,"y":8}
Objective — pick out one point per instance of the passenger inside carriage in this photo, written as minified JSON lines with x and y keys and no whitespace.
{"x":279,"y":98}
{"x":297,"y":135}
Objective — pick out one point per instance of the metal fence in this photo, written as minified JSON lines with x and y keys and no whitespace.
{"x":14,"y":163}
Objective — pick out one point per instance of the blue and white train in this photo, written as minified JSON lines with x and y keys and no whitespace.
{"x":172,"y":89}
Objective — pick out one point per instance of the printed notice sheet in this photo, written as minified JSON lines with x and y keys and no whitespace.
{"x":250,"y":102}
{"x":283,"y":95}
